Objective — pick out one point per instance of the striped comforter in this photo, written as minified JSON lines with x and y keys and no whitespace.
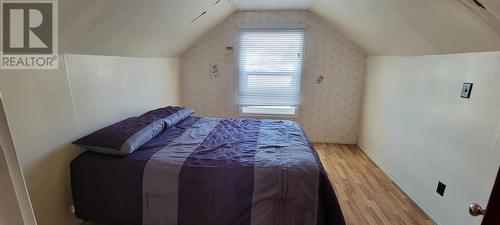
{"x":209,"y":171}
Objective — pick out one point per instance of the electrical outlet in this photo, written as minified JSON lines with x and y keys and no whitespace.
{"x":466,"y":90}
{"x":440,"y":188}
{"x":72,"y":209}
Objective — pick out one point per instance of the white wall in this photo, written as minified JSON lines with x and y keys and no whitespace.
{"x":10,"y":211}
{"x":47,"y":109}
{"x":416,"y":127}
{"x":119,"y":87}
{"x":16,"y":208}
{"x":329,"y":111}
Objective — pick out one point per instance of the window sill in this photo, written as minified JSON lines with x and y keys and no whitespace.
{"x":272,"y":116}
{"x":260,"y":113}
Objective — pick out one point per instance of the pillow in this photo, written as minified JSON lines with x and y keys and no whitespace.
{"x":128,"y":135}
{"x":172,"y":115}
{"x":122,"y":138}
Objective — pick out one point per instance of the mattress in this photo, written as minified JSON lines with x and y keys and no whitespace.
{"x":206,"y":171}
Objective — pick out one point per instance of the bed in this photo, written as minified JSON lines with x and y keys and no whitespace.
{"x":209,"y":171}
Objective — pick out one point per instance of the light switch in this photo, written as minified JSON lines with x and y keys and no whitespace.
{"x":466,"y":90}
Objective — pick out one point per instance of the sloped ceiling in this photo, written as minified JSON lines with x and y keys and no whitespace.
{"x":77,"y":16}
{"x":487,"y":10}
{"x":272,"y":4}
{"x":492,"y":5}
{"x":163,"y":28}
{"x":152,"y":28}
{"x":410,"y":27}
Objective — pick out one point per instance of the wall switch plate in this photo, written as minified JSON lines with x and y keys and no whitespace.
{"x":466,"y":90}
{"x":440,"y":188}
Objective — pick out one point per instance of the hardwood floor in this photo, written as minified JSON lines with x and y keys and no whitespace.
{"x":366,"y":194}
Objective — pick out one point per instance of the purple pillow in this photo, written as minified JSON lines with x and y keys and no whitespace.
{"x":171,"y":114}
{"x":128,"y":135}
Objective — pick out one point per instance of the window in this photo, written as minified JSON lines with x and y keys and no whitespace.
{"x":270,"y":67}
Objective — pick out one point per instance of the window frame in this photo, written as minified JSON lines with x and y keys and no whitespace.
{"x":237,"y":67}
{"x":276,"y":115}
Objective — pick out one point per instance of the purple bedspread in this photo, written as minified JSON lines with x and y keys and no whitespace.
{"x":208,"y":171}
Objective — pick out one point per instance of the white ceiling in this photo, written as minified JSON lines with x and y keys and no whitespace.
{"x":493,"y":6}
{"x":487,"y":10}
{"x":152,"y":28}
{"x":77,"y":16}
{"x":162,"y":28}
{"x":410,"y":27}
{"x":272,"y":4}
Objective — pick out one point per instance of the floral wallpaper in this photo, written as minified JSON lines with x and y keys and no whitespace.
{"x":332,"y":78}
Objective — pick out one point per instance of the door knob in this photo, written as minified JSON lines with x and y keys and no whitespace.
{"x":476,"y":210}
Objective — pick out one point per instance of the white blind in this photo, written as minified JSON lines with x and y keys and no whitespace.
{"x":270,"y":67}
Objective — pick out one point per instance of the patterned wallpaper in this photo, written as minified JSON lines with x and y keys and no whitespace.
{"x":330,"y":110}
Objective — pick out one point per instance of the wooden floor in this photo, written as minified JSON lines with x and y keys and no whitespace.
{"x":366,"y":194}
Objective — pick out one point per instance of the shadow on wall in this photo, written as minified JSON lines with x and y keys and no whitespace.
{"x":53,"y":166}
{"x":16,"y":209}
